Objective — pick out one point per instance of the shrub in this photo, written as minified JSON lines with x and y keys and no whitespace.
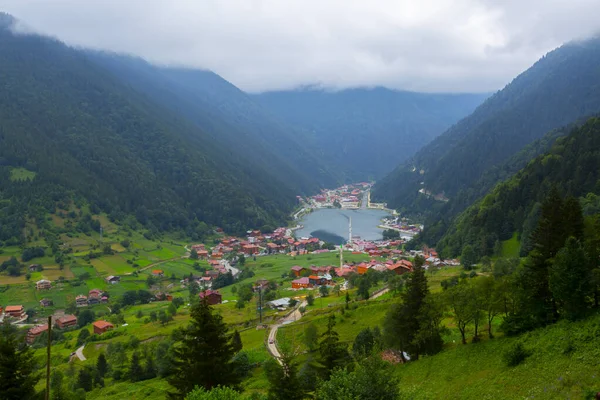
{"x":515,"y":355}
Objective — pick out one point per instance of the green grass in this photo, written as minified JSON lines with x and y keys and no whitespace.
{"x":21,"y":174}
{"x":511,"y":247}
{"x":565,"y":363}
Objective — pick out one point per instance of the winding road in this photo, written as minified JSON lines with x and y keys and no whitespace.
{"x":295,"y":316}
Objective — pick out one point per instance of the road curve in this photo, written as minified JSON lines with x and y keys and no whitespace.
{"x":79,"y":353}
{"x":272,"y":339}
{"x":295,"y":316}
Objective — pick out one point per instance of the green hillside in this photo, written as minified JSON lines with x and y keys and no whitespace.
{"x":559,"y":89}
{"x":572,"y":166}
{"x":229,"y":117}
{"x":87,"y":137}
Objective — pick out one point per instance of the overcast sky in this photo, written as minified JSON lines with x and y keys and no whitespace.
{"x":259,"y":45}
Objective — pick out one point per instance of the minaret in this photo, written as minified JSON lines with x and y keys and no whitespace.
{"x":341,"y":256}
{"x":350,"y":231}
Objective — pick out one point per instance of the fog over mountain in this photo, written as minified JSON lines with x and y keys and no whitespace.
{"x":262,"y":45}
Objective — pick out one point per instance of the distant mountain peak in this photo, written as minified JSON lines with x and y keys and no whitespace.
{"x":6,"y":20}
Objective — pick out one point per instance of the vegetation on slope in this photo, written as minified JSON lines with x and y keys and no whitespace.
{"x":559,"y":89}
{"x":87,"y":136}
{"x":572,"y":166}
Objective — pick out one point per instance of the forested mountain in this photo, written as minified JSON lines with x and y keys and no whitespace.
{"x":560,"y":88}
{"x":572,"y":166}
{"x":367,"y":132}
{"x":229,"y":116}
{"x":82,"y":134}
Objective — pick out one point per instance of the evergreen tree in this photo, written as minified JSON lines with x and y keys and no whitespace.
{"x":311,"y":336}
{"x":570,"y":280}
{"x":17,"y":366}
{"x":149,"y":367}
{"x":85,"y":379}
{"x":402,"y":322}
{"x":283,"y":378}
{"x":333,"y":353}
{"x":347,"y":300}
{"x":204,"y":355}
{"x":136,"y":372}
{"x":236,"y":342}
{"x":363,"y":344}
{"x":468,"y":257}
{"x":102,"y":365}
{"x":57,"y":388}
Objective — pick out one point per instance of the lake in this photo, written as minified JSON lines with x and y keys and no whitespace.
{"x":331,"y":224}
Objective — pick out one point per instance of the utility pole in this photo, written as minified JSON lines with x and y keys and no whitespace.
{"x":260,"y":304}
{"x":48,"y":360}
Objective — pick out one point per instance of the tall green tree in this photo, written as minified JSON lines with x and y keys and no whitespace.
{"x":17,"y":366}
{"x":402,"y":322}
{"x":204,"y":355}
{"x":284,"y":383}
{"x":311,"y":336}
{"x":236,"y":342}
{"x":333,"y":353}
{"x":102,"y":365}
{"x":370,"y":381}
{"x":460,"y":299}
{"x":363,"y":344}
{"x":136,"y":371}
{"x":468,"y":257}
{"x":570,"y":280}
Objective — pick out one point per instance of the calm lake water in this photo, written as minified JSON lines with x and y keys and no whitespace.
{"x":331,"y":224}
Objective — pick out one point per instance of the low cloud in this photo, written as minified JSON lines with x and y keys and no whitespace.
{"x":259,"y":45}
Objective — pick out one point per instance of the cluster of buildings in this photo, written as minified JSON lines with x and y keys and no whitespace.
{"x":95,"y":296}
{"x":347,"y":196}
{"x":64,"y":322}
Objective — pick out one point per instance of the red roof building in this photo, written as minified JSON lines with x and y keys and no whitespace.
{"x":66,"y":321}
{"x":15,"y":311}
{"x":213,"y":296}
{"x":298,"y":270}
{"x":36,"y":331}
{"x":102,"y":326}
{"x":300,"y":283}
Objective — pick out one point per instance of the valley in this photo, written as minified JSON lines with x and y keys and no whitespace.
{"x":178,"y":223}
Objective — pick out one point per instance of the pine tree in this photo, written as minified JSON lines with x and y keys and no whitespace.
{"x":333,"y":353}
{"x":102,"y":365}
{"x":17,"y":366}
{"x":236,"y":342}
{"x":570,"y":280}
{"x":204,"y":355}
{"x":135,"y":369}
{"x":283,"y":378}
{"x":363,"y":344}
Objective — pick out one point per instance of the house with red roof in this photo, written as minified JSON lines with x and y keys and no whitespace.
{"x":212,"y":296}
{"x":102,"y":326}
{"x":35,"y":332}
{"x":66,"y":321}
{"x":15,"y":311}
{"x":298,"y":270}
{"x":300,"y":283}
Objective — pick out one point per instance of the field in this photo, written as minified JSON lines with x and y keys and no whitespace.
{"x":511,"y":247}
{"x":21,"y":174}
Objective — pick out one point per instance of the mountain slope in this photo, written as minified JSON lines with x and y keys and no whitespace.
{"x":560,"y":88}
{"x":86,"y":135}
{"x":572,"y":165}
{"x":369,"y":131}
{"x":231,"y":118}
